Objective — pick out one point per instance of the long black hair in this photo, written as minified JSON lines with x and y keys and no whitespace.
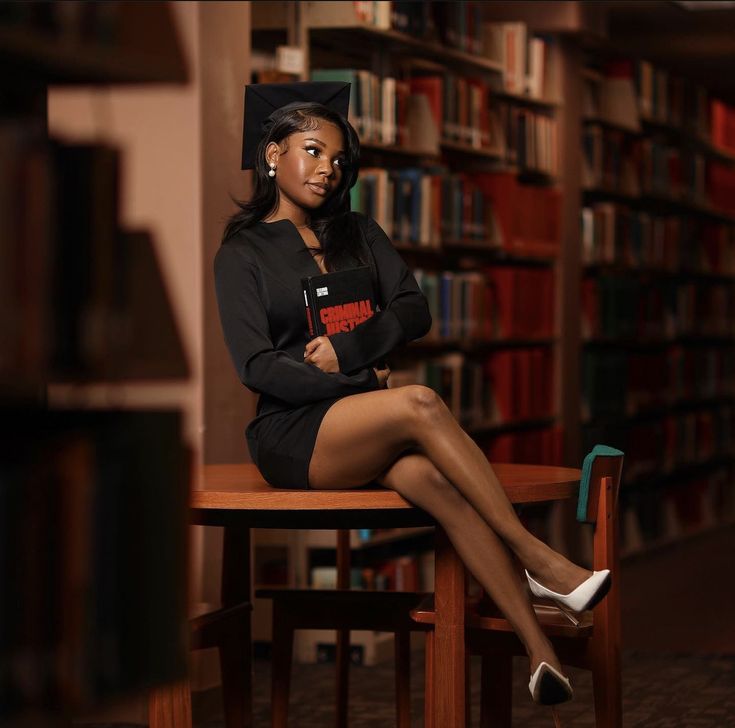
{"x":336,"y":229}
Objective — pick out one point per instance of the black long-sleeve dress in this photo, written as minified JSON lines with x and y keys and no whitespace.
{"x":258,"y":283}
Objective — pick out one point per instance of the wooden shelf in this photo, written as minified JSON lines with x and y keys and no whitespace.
{"x":145,"y":51}
{"x":611,"y":125}
{"x":524,"y":100}
{"x":364,"y":39}
{"x":484,"y":249}
{"x":705,"y":276}
{"x":652,"y":201}
{"x":461,"y":148}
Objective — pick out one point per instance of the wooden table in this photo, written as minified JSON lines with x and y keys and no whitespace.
{"x":237,"y":498}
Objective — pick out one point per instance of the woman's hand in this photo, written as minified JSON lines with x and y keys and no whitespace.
{"x":383,"y":375}
{"x":321,"y":353}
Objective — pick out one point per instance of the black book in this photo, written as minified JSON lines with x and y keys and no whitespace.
{"x":339,"y":301}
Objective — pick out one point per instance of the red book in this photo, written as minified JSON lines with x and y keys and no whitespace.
{"x":432,"y":88}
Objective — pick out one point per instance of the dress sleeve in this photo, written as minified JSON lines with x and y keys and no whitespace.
{"x":260,"y":367}
{"x":404,"y":314}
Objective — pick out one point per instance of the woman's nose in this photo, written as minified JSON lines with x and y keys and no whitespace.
{"x":325,"y":167}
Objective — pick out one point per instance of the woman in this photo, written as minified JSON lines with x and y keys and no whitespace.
{"x":325,"y":417}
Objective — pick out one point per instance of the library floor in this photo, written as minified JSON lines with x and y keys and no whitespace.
{"x":678,"y":661}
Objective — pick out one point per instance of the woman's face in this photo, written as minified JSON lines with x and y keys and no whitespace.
{"x":309,"y":164}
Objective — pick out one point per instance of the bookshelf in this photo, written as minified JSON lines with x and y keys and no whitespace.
{"x":94,"y":501}
{"x":440,"y":104}
{"x":657,"y":295}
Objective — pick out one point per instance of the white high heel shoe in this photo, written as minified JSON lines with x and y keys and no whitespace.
{"x":585,"y":596}
{"x":548,"y":686}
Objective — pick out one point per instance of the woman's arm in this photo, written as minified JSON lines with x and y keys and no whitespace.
{"x":260,"y":367}
{"x":404,"y":316}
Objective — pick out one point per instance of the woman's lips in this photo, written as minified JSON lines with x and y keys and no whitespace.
{"x":317,"y":188}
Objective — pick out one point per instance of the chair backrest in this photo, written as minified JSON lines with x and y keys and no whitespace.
{"x":597,"y":504}
{"x":601,"y":463}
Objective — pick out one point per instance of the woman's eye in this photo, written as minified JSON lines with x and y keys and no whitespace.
{"x":312,"y":149}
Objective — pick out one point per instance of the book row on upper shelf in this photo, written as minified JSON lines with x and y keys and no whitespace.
{"x":495,"y":304}
{"x":616,"y":234}
{"x":620,"y":307}
{"x":621,"y":385}
{"x":518,"y":58}
{"x":634,"y":167}
{"x":434,"y":208}
{"x":504,"y":387}
{"x":636,"y":96}
{"x":81,"y":298}
{"x":431,"y":113}
{"x":659,"y":446}
{"x":74,"y":486}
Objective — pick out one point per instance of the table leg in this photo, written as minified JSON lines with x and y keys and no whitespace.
{"x":450,"y":659}
{"x":236,"y":656}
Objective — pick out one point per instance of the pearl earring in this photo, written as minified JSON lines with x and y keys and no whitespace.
{"x":272,"y":173}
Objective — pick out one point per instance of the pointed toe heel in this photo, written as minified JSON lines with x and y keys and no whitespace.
{"x":548,"y":686}
{"x":585,"y":596}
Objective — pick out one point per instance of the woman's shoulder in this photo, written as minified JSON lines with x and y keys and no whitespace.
{"x":242,"y":246}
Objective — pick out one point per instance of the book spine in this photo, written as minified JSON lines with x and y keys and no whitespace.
{"x":310,"y":309}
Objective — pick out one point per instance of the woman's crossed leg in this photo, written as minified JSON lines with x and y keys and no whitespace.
{"x":407,"y":440}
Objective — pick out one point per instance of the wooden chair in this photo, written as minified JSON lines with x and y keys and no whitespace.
{"x":592,"y":643}
{"x":343,"y":610}
{"x":227,"y":629}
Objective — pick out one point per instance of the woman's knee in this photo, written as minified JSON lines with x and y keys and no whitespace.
{"x":417,"y":479}
{"x":422,"y":403}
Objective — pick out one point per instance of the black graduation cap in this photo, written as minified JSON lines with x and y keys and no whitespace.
{"x":262,"y":99}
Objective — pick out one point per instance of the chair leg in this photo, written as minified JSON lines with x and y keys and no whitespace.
{"x":281,"y":660}
{"x":170,"y":706}
{"x":429,"y":709}
{"x":496,"y":690}
{"x":403,"y":678}
{"x":236,"y":667}
{"x":606,"y":670}
{"x":343,"y":677}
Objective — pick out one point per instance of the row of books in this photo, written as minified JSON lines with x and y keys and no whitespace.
{"x":457,"y":25}
{"x":722,"y":125}
{"x":542,"y":446}
{"x":425,"y":207}
{"x":519,"y":232}
{"x":669,"y":99}
{"x":619,"y":384}
{"x":504,"y":387}
{"x":503,"y":302}
{"x":457,"y":110}
{"x":636,"y":94}
{"x":523,"y":57}
{"x":657,"y":515}
{"x":633,"y":165}
{"x":614,"y":233}
{"x":623,"y":307}
{"x":530,"y":139}
{"x":93,"y":517}
{"x":668,"y":446}
{"x":78,"y":296}
{"x":432,"y":207}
